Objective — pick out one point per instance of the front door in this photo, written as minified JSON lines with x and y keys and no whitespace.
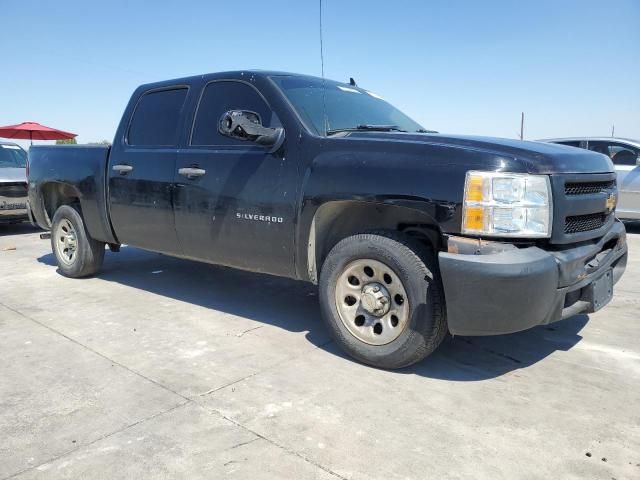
{"x":235,"y":203}
{"x":142,"y":170}
{"x":626,"y":160}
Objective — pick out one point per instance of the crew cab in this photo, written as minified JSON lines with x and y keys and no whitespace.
{"x":409,"y":234}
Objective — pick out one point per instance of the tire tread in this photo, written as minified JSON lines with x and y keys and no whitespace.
{"x":90,"y":253}
{"x":422,"y":259}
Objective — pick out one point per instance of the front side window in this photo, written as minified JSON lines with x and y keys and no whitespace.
{"x":12,"y":156}
{"x":156,"y":118}
{"x":622,"y":154}
{"x":219,"y":97}
{"x":619,"y":153}
{"x":346,"y":106}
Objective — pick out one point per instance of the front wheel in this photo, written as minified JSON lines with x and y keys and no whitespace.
{"x":78,"y":254}
{"x":382,"y":298}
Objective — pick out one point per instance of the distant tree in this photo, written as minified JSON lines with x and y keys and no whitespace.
{"x":70,"y":141}
{"x":101,"y":142}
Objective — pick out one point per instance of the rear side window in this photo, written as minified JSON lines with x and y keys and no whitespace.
{"x":156,"y":118}
{"x":600,"y":147}
{"x":219,"y":97}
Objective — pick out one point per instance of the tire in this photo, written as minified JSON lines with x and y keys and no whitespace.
{"x":420,"y":323}
{"x":80,"y":256}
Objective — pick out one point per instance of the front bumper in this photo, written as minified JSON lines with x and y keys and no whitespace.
{"x":12,"y":207}
{"x":494,"y":288}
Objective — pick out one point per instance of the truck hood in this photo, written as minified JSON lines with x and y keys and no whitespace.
{"x":515,"y":155}
{"x":12,"y":175}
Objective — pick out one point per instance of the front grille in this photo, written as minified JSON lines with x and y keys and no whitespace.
{"x":586,"y":188}
{"x":580,"y":210}
{"x":15,"y":189}
{"x":585,"y":223}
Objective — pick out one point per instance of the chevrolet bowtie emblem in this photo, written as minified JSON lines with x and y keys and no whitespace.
{"x":611,"y":202}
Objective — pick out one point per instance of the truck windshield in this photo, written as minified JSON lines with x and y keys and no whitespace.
{"x":347,"y":107}
{"x":12,"y":156}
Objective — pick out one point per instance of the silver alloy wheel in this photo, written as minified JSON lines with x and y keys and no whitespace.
{"x":372,"y":302}
{"x":66,"y":242}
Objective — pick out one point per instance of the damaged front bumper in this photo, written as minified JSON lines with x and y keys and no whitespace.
{"x":493,"y":288}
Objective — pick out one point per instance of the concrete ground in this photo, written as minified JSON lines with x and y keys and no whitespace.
{"x":164,"y":368}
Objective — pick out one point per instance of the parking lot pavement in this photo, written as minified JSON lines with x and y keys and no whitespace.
{"x":165,"y":368}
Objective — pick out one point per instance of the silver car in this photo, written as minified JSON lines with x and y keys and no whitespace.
{"x":625,"y":155}
{"x":13,"y":183}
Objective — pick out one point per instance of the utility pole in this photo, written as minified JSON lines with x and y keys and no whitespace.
{"x":613,"y":130}
{"x":522,"y":126}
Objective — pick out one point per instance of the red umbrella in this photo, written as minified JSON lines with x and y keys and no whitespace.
{"x":34,"y":131}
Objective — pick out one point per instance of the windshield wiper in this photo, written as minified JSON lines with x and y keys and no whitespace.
{"x":367,"y":128}
{"x":422,"y":130}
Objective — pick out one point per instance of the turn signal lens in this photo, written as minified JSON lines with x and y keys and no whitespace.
{"x":473,"y":219}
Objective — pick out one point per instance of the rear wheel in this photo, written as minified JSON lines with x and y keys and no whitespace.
{"x":78,"y":254}
{"x":381,"y":296}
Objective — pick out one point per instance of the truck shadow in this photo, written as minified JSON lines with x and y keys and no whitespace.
{"x":293,"y":306}
{"x":480,"y":358}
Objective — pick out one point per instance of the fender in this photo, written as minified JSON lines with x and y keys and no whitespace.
{"x":347,"y":192}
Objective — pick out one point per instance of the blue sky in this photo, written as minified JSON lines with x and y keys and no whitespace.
{"x":460,"y":66}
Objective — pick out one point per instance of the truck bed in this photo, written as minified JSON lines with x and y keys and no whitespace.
{"x":81,"y":168}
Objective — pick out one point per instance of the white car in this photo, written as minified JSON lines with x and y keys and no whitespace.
{"x":625,"y":155}
{"x":13,"y":183}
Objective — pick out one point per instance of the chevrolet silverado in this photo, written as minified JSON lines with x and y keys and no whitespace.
{"x":409,"y":234}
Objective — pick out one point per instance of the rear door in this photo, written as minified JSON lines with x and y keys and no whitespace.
{"x":240,"y":211}
{"x":141,"y":172}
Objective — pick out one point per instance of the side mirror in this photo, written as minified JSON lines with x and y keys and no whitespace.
{"x":246,"y":125}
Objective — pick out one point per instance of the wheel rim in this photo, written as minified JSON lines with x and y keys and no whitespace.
{"x":372,"y":302}
{"x":66,"y":242}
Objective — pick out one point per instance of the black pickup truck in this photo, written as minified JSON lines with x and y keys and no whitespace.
{"x":408,"y":233}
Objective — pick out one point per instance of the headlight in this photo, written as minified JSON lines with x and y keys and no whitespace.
{"x":507,"y":205}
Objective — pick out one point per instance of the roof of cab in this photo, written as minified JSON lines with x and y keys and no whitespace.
{"x":233,"y":74}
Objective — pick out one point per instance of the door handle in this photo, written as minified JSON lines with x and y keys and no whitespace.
{"x":192,"y":172}
{"x":122,"y":169}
